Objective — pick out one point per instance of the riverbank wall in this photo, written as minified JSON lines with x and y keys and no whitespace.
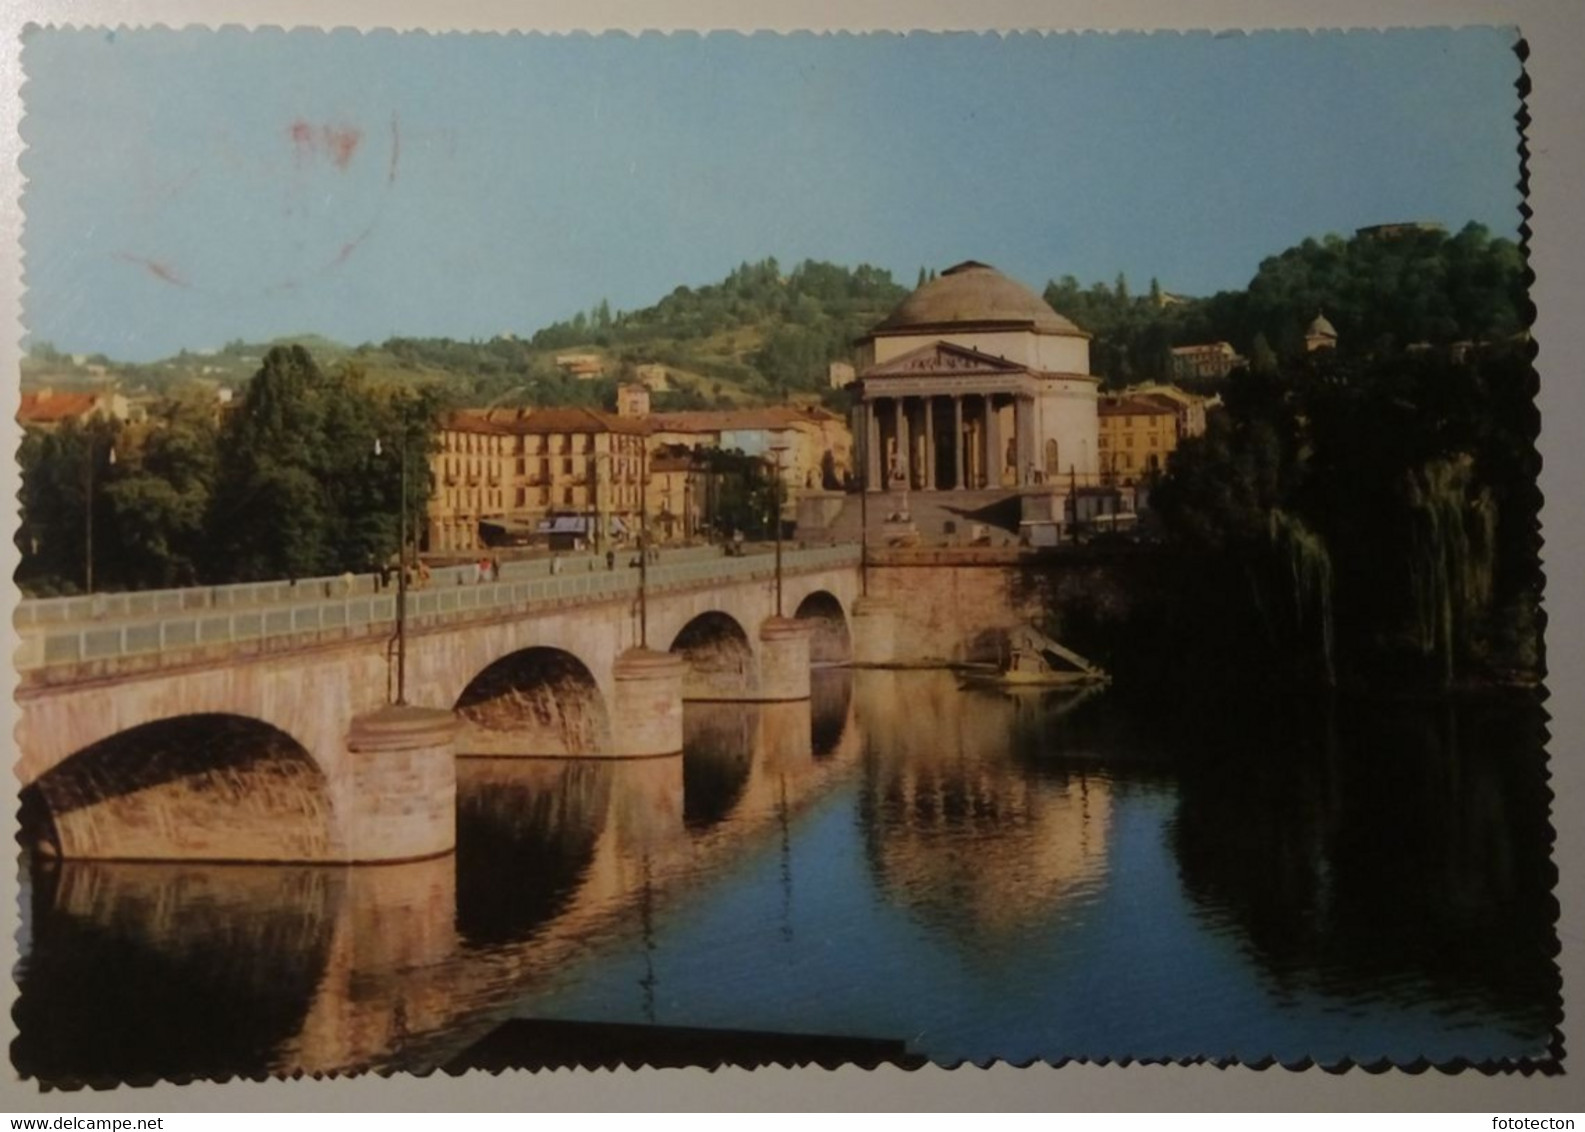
{"x":957,"y":605}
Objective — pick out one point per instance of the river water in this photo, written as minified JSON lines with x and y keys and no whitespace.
{"x":974,"y":873}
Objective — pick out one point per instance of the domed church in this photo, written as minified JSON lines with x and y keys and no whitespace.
{"x":975,"y":383}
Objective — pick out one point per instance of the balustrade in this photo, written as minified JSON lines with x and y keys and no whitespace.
{"x":47,"y":642}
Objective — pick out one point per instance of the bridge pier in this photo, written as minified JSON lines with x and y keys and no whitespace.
{"x":874,"y":632}
{"x":784,"y":659}
{"x":646,"y":704}
{"x":402,"y":785}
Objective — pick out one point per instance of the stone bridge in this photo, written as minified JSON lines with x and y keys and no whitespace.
{"x":402,"y":966}
{"x":270,"y":733}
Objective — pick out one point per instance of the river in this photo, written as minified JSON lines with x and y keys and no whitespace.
{"x":974,"y":874}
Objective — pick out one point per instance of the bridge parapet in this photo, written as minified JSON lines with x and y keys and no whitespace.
{"x":46,"y":646}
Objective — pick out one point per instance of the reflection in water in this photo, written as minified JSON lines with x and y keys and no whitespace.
{"x":958,"y":832}
{"x":1394,"y":852}
{"x":979,"y":873}
{"x":718,"y":751}
{"x":830,"y":706}
{"x":526,"y":830}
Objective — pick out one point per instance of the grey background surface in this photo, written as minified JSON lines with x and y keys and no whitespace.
{"x":1555,"y":31}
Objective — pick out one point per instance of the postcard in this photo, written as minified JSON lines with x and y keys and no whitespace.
{"x":863,"y":551}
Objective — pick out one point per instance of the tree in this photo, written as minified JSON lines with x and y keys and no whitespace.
{"x":161,"y":497}
{"x":301,"y":491}
{"x":55,"y":495}
{"x":1262,"y":358}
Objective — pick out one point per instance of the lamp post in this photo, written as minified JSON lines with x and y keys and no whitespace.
{"x":777,"y":450}
{"x":643,"y":542}
{"x":88,"y":516}
{"x":864,"y":503}
{"x":401,"y":566}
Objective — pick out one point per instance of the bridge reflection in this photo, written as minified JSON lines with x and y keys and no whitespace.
{"x":209,"y":971}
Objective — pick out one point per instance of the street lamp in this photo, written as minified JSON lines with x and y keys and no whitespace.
{"x":401,"y":567}
{"x":777,"y":450}
{"x":88,"y":516}
{"x":864,"y":502}
{"x":643,"y":542}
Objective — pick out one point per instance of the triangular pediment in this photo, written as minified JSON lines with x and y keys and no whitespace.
{"x":943,"y":357}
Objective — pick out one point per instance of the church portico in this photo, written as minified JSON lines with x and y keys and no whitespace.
{"x":949,"y":442}
{"x":938,"y":410}
{"x":928,"y":440}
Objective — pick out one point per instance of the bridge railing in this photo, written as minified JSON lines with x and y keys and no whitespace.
{"x":110,"y":607}
{"x":45,"y":645}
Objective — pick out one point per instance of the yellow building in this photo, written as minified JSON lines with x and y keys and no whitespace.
{"x":498,"y":472}
{"x":1137,"y":433}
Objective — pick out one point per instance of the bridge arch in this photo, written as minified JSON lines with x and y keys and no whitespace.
{"x":535,"y":701}
{"x":721,"y":661}
{"x":832,"y":641}
{"x":202,"y":787}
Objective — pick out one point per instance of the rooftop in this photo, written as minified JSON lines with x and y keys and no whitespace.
{"x":975,"y":294}
{"x":45,"y":406}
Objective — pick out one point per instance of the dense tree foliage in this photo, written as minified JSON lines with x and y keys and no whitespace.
{"x":289,"y":485}
{"x":740,"y":493}
{"x":1367,"y":517}
{"x":1381,"y":293}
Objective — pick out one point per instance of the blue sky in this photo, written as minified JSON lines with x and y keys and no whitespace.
{"x":188,"y":188}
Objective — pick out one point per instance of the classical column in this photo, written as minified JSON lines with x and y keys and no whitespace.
{"x":901,"y":417}
{"x":993,"y":445}
{"x":959,"y":479}
{"x":930,"y":445}
{"x":872,"y":449}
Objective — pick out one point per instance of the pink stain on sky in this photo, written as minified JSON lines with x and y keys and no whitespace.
{"x":161,"y":271}
{"x":338,"y":143}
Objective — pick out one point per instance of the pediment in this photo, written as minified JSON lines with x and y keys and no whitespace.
{"x":943,"y":357}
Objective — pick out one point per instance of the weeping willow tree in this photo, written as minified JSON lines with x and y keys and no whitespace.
{"x":1452,"y":555}
{"x":1309,"y":577}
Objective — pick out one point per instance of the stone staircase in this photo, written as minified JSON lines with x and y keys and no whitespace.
{"x":938,"y":516}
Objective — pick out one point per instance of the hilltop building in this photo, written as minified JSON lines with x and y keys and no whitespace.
{"x":975,"y":382}
{"x":585,"y":367}
{"x":1321,"y":335}
{"x":1400,"y":229}
{"x":1206,"y":359}
{"x":652,"y":376}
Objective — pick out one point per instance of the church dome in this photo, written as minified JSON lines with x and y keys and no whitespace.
{"x":975,"y":294}
{"x":1322,"y":328}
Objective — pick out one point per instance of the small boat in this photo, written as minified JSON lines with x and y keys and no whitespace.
{"x":1034,"y":660}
